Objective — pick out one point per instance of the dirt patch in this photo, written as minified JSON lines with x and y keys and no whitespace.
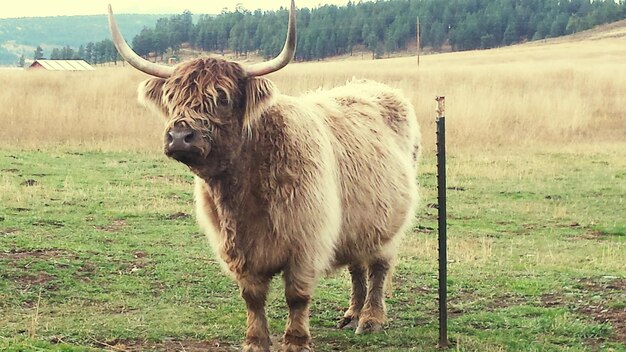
{"x":603,"y":310}
{"x":423,"y":229}
{"x":554,"y":197}
{"x":29,"y":183}
{"x":37,"y":253}
{"x":505,"y":301}
{"x":593,"y":235}
{"x":571,"y":225}
{"x":589,"y":234}
{"x":53,"y":223}
{"x":612,"y":316}
{"x":157,"y":288}
{"x":601,"y":286}
{"x":86,"y":272}
{"x":114,"y":226}
{"x":120,"y":310}
{"x":8,"y":231}
{"x":530,"y":226}
{"x":178,"y":216}
{"x":140,"y":262}
{"x":40,"y":279}
{"x":549,"y":300}
{"x":465,"y":301}
{"x":140,"y":254}
{"x":20,"y":210}
{"x":461,"y":302}
{"x":166,"y":346}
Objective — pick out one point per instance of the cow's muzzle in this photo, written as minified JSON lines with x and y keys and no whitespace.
{"x":185,"y":145}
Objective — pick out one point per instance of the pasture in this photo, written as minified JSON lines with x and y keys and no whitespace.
{"x":99,"y":249}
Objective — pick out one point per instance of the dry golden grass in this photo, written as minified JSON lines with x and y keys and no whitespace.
{"x":538,"y":94}
{"x":95,"y":110}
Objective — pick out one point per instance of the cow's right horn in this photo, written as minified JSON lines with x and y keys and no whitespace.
{"x":285,"y":55}
{"x":131,"y":57}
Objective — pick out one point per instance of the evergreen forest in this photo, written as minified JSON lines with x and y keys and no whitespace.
{"x":379,"y":27}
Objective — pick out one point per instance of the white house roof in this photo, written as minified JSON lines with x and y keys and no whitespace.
{"x":64,"y":65}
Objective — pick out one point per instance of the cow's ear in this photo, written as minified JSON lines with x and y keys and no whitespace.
{"x":260,"y":94}
{"x":150,"y":95}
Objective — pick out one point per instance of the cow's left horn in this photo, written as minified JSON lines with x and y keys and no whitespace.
{"x":285,"y":56}
{"x":131,"y":57}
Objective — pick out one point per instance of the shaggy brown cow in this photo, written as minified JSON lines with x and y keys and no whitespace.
{"x":298,"y":185}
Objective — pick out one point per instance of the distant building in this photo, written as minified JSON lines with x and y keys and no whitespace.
{"x":60,"y":65}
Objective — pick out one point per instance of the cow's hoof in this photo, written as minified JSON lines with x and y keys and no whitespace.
{"x":296,"y":343}
{"x":369,"y":327}
{"x":296,"y":348}
{"x":348,"y":323}
{"x":252,"y":347}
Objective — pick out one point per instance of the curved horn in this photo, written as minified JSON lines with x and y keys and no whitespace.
{"x":285,"y":56}
{"x":131,"y":57}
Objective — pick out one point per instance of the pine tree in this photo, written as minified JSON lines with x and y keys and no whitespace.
{"x":80,"y":55}
{"x":89,"y":49}
{"x":437,"y":35}
{"x":55,"y":54}
{"x":38,"y":53}
{"x":510,"y":34}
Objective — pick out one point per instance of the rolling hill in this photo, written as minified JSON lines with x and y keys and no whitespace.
{"x":22,"y":35}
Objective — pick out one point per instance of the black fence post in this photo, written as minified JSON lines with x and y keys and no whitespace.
{"x":442,"y":223}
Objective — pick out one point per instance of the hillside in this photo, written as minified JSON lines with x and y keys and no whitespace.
{"x":22,"y":35}
{"x":593,"y":37}
{"x":383,"y":28}
{"x":610,"y":30}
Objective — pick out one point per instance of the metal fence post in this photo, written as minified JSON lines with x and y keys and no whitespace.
{"x":442,"y":223}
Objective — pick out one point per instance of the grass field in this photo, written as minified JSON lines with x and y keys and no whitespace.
{"x":99,"y":249}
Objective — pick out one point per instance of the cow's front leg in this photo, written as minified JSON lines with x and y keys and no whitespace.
{"x":298,"y":289}
{"x":254,"y":292}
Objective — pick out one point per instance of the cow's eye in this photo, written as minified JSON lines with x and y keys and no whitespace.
{"x":222,"y":98}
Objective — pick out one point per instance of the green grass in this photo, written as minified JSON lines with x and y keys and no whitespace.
{"x":101,"y":251}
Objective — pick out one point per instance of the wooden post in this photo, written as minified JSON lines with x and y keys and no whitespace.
{"x":418,"y":41}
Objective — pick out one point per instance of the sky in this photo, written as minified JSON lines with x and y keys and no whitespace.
{"x":39,"y":8}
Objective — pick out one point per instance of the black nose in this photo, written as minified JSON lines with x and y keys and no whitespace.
{"x":180,"y":139}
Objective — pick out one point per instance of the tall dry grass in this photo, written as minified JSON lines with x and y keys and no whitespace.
{"x":95,"y":110}
{"x":538,"y":94}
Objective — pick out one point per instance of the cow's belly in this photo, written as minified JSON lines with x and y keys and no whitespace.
{"x":379,"y":206}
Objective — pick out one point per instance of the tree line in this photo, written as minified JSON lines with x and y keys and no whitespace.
{"x":94,"y":53}
{"x":380,"y":27}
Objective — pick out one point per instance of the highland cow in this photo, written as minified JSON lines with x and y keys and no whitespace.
{"x":293,"y":185}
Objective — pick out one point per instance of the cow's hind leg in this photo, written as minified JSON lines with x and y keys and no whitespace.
{"x":298,"y":290}
{"x":350,"y":319}
{"x":373,"y":314}
{"x":254,"y":292}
